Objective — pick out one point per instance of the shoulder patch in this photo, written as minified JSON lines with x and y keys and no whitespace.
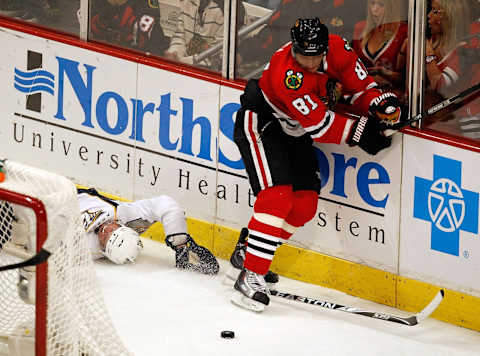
{"x":89,"y":218}
{"x":293,"y":80}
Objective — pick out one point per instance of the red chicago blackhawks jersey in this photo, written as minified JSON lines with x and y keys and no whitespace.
{"x":298,"y":97}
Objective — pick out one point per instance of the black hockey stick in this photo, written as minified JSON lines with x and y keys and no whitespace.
{"x":410,"y":321}
{"x":40,"y":257}
{"x":434,"y":109}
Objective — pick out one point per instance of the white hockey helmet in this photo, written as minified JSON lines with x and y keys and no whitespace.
{"x":123,"y":246}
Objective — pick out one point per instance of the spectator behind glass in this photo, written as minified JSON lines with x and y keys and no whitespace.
{"x":378,"y":42}
{"x":128,"y":23}
{"x":339,"y":16}
{"x":26,"y":10}
{"x":447,"y":24}
{"x":54,"y":14}
{"x":469,"y":120}
{"x":199,"y":26}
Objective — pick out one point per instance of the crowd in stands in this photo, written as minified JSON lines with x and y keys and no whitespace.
{"x":376,"y":29}
{"x":452,"y":64}
{"x":57,"y":14}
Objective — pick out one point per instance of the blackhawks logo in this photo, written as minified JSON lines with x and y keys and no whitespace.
{"x":293,"y":80}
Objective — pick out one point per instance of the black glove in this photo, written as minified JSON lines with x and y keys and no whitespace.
{"x":386,"y":109}
{"x":334,"y":92}
{"x":192,"y":257}
{"x":367,"y":133}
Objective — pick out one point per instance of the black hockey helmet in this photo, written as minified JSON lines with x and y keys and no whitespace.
{"x":309,"y":37}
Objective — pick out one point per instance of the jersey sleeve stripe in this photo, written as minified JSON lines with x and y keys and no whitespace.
{"x":321,"y":131}
{"x":327,"y":118}
{"x":358,"y":94}
{"x":346,"y":131}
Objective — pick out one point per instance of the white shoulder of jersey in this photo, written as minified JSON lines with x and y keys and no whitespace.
{"x":88,"y":202}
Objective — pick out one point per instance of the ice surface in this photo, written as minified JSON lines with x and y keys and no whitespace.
{"x":159,"y":310}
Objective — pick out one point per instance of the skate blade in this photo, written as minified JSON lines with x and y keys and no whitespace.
{"x":244,"y":302}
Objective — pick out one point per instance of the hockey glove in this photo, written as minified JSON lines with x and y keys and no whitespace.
{"x":334,"y":92}
{"x":190,"y":256}
{"x":366,"y":133}
{"x":386,"y":108}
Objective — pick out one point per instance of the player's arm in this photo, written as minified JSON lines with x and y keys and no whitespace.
{"x":361,"y":90}
{"x":325,"y":126}
{"x":162,"y":208}
{"x":322,"y":124}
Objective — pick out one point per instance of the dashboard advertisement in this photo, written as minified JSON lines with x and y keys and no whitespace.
{"x":137,"y":131}
{"x":440,"y":215}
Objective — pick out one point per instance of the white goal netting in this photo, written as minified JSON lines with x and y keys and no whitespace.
{"x":56,"y":308}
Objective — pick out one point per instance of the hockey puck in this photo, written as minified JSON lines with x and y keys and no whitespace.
{"x":227,"y":334}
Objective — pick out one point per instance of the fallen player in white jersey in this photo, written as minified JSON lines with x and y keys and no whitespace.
{"x":112,"y":228}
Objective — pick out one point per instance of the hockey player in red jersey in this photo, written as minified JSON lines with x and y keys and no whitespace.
{"x":282,"y":114}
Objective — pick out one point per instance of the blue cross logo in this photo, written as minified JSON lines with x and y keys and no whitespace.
{"x":449,"y":208}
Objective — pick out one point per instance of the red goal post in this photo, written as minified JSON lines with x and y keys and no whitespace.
{"x":55,"y":308}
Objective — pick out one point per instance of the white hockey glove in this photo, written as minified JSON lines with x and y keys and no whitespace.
{"x":92,"y":220}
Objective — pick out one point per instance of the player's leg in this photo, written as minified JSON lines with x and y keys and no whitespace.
{"x":238,"y":256}
{"x":306,"y":186}
{"x":264,"y":149}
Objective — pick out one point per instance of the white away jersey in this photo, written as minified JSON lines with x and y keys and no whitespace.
{"x":162,"y":208}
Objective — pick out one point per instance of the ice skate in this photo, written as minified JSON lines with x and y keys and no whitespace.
{"x":251,"y":291}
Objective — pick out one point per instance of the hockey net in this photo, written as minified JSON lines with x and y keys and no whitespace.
{"x":55,"y":308}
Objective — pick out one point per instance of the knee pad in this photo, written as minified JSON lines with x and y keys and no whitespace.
{"x":305,"y":204}
{"x":277,"y":201}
